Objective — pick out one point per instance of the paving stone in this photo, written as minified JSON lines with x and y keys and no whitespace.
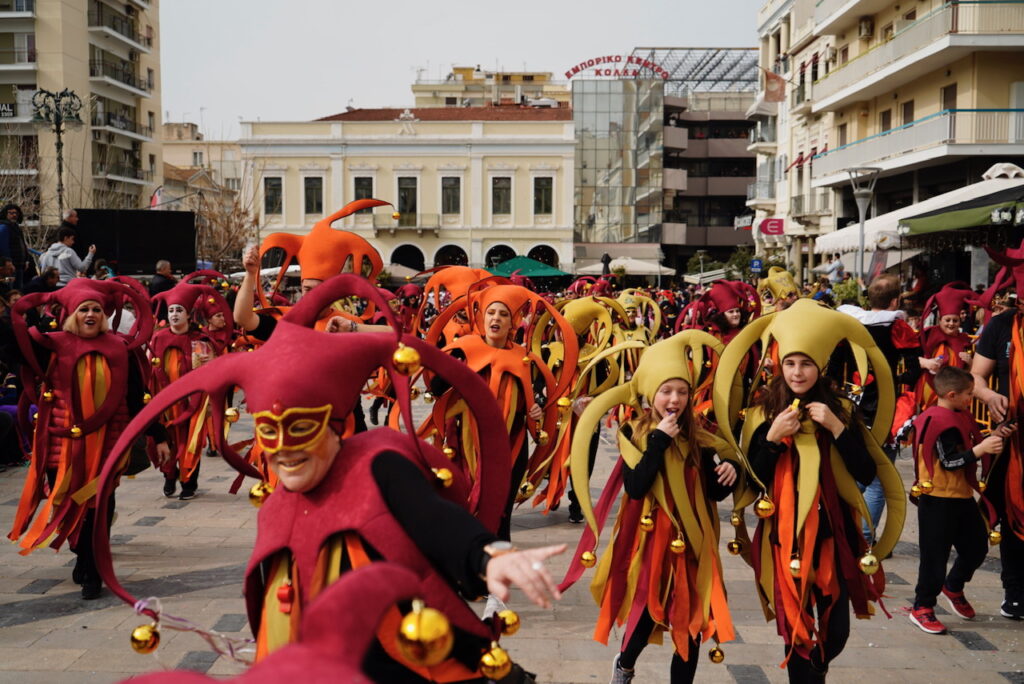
{"x":198,"y":661}
{"x":972,"y":640}
{"x":39,"y":586}
{"x":747,"y":674}
{"x":234,"y":622}
{"x":175,"y":504}
{"x":148,"y":521}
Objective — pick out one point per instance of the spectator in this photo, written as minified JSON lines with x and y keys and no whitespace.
{"x":70,"y":219}
{"x":163,"y":280}
{"x":12,"y":242}
{"x":62,"y":256}
{"x":101,"y":271}
{"x":44,"y":282}
{"x":834,"y":269}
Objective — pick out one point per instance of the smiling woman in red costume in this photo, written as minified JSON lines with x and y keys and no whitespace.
{"x":84,"y":379}
{"x":401,"y":501}
{"x":944,"y":341}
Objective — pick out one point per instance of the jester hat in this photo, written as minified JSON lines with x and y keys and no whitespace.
{"x":779,"y":282}
{"x":324,"y":251}
{"x":951,"y":300}
{"x":201,"y":301}
{"x":810,"y":328}
{"x":321,"y":375}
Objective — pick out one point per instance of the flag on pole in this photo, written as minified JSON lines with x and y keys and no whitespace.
{"x":154,"y":199}
{"x":774,"y":87}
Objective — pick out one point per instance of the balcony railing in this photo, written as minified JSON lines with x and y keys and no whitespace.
{"x":17,"y":57}
{"x":964,"y":18}
{"x":781,"y":65}
{"x":121,"y":123}
{"x":119,"y":73}
{"x":760,"y":190}
{"x":948,"y":127}
{"x":814,"y":204}
{"x":800,"y":98}
{"x":763,"y":132}
{"x":407,"y":220}
{"x":120,"y":25}
{"x":122,"y":170}
{"x":17,"y":5}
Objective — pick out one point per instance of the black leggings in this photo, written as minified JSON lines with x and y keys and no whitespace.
{"x":592,"y":457}
{"x":683,"y":671}
{"x":945,"y":523}
{"x":518,"y":470}
{"x":804,"y":671}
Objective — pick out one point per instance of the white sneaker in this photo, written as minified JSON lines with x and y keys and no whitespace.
{"x":494,"y":605}
{"x":620,"y":675}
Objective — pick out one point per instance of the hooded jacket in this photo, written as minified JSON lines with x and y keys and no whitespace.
{"x":65,"y":260}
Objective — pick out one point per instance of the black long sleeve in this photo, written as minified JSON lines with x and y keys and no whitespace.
{"x":716,"y":490}
{"x":639,"y":480}
{"x":950,"y":452}
{"x":450,"y":537}
{"x":762,"y":454}
{"x":439,"y":385}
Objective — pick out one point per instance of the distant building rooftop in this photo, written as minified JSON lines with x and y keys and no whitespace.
{"x":696,"y":70}
{"x":500,"y":113}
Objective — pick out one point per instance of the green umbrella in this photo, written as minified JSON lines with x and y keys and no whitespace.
{"x":996,"y":208}
{"x":531,"y":268}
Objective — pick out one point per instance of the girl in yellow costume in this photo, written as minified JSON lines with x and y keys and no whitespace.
{"x":661,"y":570}
{"x":806,"y":448}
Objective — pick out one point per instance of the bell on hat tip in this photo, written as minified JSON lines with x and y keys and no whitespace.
{"x":764,"y":507}
{"x":646,"y":523}
{"x":677,"y":546}
{"x":408,"y":278}
{"x":145,"y":639}
{"x":735,"y":547}
{"x":396,"y":215}
{"x":564,"y":402}
{"x":509,"y":621}
{"x":47,"y":395}
{"x":982,"y":486}
{"x":869,"y":564}
{"x":588,"y":559}
{"x":414,"y":393}
{"x":406,"y":360}
{"x":146,"y":398}
{"x":259,"y":492}
{"x":211,"y":300}
{"x":716,"y":655}
{"x":994,"y":537}
{"x":443,"y":475}
{"x":527,"y":489}
{"x":495,"y":663}
{"x":53,"y":325}
{"x":428,"y":397}
{"x":425,"y":636}
{"x":231,"y":414}
{"x":736,"y":519}
{"x":156,"y":361}
{"x":526,"y":360}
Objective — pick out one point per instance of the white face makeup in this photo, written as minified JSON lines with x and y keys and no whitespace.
{"x":177,"y":317}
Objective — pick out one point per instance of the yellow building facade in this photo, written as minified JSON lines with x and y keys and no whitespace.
{"x":474,"y":87}
{"x":108,"y":53}
{"x":474,"y":185}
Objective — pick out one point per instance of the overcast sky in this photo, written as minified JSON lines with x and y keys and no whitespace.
{"x":230,"y":60}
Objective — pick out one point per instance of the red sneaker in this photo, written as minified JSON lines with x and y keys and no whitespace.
{"x":925,"y":619}
{"x":959,"y":604}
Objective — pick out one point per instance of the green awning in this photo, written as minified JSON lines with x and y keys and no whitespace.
{"x":973,"y":213}
{"x":531,"y":268}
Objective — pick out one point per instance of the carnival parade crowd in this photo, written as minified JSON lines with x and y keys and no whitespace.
{"x":384,"y":550}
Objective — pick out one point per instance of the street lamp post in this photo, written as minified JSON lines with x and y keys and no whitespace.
{"x":863,"y":180}
{"x":56,"y":111}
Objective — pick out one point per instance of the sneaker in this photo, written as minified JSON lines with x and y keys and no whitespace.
{"x":621,"y":675}
{"x":169,"y":487}
{"x":925,"y":619}
{"x":187,"y":496}
{"x":575,"y":512}
{"x":959,"y":604}
{"x":1012,"y":609}
{"x":494,"y":606}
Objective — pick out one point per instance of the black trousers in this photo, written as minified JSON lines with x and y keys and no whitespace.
{"x":1011,"y":549}
{"x":190,"y":485}
{"x":683,"y":671}
{"x":83,"y":548}
{"x":518,"y":470}
{"x":810,"y":671}
{"x":944,"y":524}
{"x":594,"y":442}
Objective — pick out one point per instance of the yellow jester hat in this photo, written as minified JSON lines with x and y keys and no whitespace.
{"x":779,"y":282}
{"x":815,"y":330}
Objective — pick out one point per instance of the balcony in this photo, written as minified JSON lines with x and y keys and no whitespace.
{"x":949,"y":133}
{"x":119,"y":27}
{"x":120,"y":76}
{"x":761,"y":195}
{"x":800,"y":99}
{"x":19,"y":111}
{"x":17,"y":9}
{"x":676,"y":137}
{"x":728,"y":147}
{"x":121,"y":124}
{"x":810,"y":207}
{"x":763,"y":138}
{"x":385,"y":223}
{"x":121,"y":173}
{"x":935,"y":40}
{"x":674,"y":179}
{"x":835,"y":16}
{"x":19,"y":60}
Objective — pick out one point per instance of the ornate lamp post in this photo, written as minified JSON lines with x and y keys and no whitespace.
{"x":56,"y":111}
{"x":862,"y":179}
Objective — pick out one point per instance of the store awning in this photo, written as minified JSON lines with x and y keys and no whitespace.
{"x":1003,"y":207}
{"x":762,"y":109}
{"x":525,"y":266}
{"x":630,"y":265}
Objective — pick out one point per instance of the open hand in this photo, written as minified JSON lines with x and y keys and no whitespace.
{"x":726,"y":473}
{"x":524,"y":569}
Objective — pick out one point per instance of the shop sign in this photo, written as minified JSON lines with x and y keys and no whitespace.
{"x":772,"y":226}
{"x":616,"y":66}
{"x":6,"y":110}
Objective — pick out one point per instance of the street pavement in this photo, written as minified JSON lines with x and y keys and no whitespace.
{"x":192,"y":556}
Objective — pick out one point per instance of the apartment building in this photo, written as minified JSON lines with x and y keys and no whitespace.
{"x":108,"y":54}
{"x":185,"y":147}
{"x":474,"y":185}
{"x":474,"y":87}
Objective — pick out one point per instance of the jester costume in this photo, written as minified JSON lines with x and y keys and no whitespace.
{"x":952,"y":300}
{"x":661,"y":570}
{"x":809,"y":557}
{"x":85,"y":388}
{"x":402,"y":503}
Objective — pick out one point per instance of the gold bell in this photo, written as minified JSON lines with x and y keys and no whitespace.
{"x":794,"y":567}
{"x":428,"y":397}
{"x":869,"y":564}
{"x":156,"y":361}
{"x":211,"y":300}
{"x":764,"y":507}
{"x":716,"y":655}
{"x":425,"y":636}
{"x":564,"y":403}
{"x":527,"y":489}
{"x":735,"y":547}
{"x":495,"y":662}
{"x":927,"y":486}
{"x":736,"y":519}
{"x":449,"y":452}
{"x":47,"y":395}
{"x":53,"y":325}
{"x":145,"y":639}
{"x":406,"y":360}
{"x":588,"y":559}
{"x":414,"y":393}
{"x":677,"y":545}
{"x":509,"y":621}
{"x":396,"y":215}
{"x":526,"y":360}
{"x":646,"y":523}
{"x":982,"y":486}
{"x":146,"y":398}
{"x":542,"y":437}
{"x":994,"y":537}
{"x":743,"y":414}
{"x":259,"y":492}
{"x":443,"y":475}
{"x":231,"y":414}
{"x":915,"y":491}
{"x":76,"y":432}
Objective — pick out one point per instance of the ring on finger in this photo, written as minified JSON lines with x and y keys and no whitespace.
{"x":537,"y":565}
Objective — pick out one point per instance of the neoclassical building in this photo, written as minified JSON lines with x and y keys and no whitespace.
{"x":474,"y":184}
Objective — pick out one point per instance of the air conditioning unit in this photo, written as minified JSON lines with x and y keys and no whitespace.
{"x":866,"y":28}
{"x":831,"y":54}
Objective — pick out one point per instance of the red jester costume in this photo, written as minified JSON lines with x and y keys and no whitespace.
{"x":944,"y":340}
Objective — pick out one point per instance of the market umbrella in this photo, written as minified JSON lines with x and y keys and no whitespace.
{"x":1002,"y":207}
{"x":531,"y":268}
{"x":630,"y":266}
